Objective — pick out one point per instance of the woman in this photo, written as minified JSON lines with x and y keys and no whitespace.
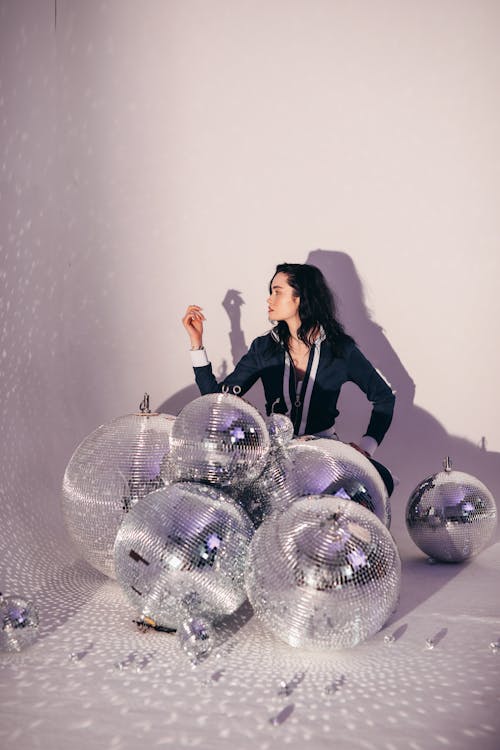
{"x":303,"y":361}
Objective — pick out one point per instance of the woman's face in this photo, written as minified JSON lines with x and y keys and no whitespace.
{"x":282,"y":302}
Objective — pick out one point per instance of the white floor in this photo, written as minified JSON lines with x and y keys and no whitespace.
{"x":93,"y":680}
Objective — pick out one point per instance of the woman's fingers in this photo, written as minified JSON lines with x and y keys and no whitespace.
{"x":194,"y":312}
{"x":193,"y":321}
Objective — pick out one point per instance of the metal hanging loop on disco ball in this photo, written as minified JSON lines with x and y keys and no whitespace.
{"x":145,"y":411}
{"x":447,"y":464}
{"x":144,"y":405}
{"x":235,"y":389}
{"x":451,"y":515}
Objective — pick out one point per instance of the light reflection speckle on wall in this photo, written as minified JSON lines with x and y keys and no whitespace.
{"x":157,"y":155}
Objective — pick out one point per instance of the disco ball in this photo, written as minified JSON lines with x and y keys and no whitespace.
{"x":18,"y":623}
{"x":280,"y":428}
{"x":181,"y":553}
{"x":113,"y":468}
{"x":276,"y":486}
{"x":451,"y":516}
{"x":197,"y":637}
{"x":217,"y":438}
{"x":324,"y":573}
{"x":331,"y":467}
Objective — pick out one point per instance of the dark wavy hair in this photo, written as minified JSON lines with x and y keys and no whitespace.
{"x":317,"y":306}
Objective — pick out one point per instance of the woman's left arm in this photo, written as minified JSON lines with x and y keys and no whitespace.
{"x":377,"y":390}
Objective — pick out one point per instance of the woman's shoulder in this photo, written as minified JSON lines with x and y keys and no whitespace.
{"x":270,"y":337}
{"x":267,"y":343}
{"x":348,"y":346}
{"x":343,"y":347}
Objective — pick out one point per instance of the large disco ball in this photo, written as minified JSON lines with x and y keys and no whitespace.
{"x":18,"y":623}
{"x":181,"y":553}
{"x":451,"y":516}
{"x":324,"y":573}
{"x":331,"y":467}
{"x":113,"y":468}
{"x":217,"y":438}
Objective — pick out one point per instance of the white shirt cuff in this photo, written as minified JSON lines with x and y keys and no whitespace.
{"x":199,"y":357}
{"x":368,"y":444}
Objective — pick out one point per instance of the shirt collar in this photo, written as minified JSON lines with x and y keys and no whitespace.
{"x":319,"y":340}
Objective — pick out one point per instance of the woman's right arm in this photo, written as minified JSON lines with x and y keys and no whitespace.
{"x":246,"y":372}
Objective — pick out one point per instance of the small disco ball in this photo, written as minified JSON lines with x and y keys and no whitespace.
{"x":272,"y":491}
{"x":451,"y":516}
{"x":197,"y":638}
{"x":18,"y":623}
{"x":276,"y":487}
{"x":114,"y":467}
{"x":324,"y":573}
{"x":217,"y":438}
{"x":280,"y":429}
{"x":330,"y":467}
{"x":181,"y":553}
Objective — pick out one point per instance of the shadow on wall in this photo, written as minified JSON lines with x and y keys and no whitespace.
{"x":416,"y":444}
{"x":232,"y":304}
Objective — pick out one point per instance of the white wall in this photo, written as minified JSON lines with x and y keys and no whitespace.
{"x":160,"y":153}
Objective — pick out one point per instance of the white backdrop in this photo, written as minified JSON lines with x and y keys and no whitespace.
{"x":164,"y":152}
{"x":158,"y":153}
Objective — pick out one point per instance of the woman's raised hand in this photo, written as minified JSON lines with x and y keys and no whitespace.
{"x":193,"y":323}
